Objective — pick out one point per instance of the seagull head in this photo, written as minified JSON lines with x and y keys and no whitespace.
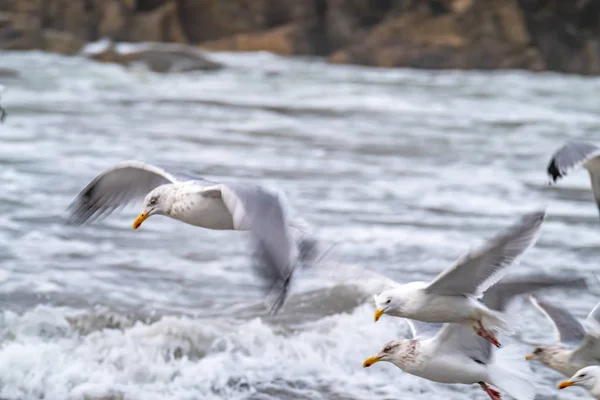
{"x":586,"y":377}
{"x":158,"y":201}
{"x":394,"y":351}
{"x":536,"y":354}
{"x":544,"y":353}
{"x":388,"y":302}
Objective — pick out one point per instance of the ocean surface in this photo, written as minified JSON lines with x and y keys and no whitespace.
{"x":405,"y":170}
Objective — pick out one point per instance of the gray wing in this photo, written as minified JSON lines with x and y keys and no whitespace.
{"x":588,"y":352}
{"x":501,"y":294}
{"x":266,"y":217}
{"x":476,"y":271}
{"x":457,"y":338}
{"x":575,"y":154}
{"x":423,"y":330}
{"x":114,"y":188}
{"x":592,"y":322}
{"x":566,"y":327}
{"x":570,"y":156}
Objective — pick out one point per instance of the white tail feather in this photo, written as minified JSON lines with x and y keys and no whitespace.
{"x":511,"y":374}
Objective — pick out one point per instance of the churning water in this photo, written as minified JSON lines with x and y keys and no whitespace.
{"x":406,"y":169}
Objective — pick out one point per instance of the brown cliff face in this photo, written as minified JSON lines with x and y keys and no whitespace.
{"x":556,"y":35}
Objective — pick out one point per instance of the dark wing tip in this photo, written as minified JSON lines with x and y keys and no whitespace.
{"x":274,"y":277}
{"x":278,"y":296}
{"x":84,"y":209}
{"x":553,"y":170}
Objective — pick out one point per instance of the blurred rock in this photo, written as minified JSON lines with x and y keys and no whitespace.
{"x":464,"y":35}
{"x":157,"y":57}
{"x":204,"y":20}
{"x":558,"y":35}
{"x":60,"y":42}
{"x":285,"y":40}
{"x":159,"y":25}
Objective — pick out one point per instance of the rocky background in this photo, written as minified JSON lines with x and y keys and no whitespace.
{"x":557,"y":35}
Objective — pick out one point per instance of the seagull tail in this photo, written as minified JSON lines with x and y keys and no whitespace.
{"x":510,"y":373}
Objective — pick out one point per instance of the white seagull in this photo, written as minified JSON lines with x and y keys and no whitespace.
{"x":575,"y":154}
{"x":454,"y":355}
{"x":465,"y":349}
{"x":588,"y":377}
{"x":577,"y":347}
{"x":453,"y":295}
{"x":202,"y":203}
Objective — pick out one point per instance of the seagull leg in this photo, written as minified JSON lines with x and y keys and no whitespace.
{"x":494,"y":394}
{"x":489,"y":336}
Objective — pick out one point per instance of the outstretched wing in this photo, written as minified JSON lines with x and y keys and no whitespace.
{"x":588,"y":351}
{"x":114,"y":188}
{"x":566,"y":327}
{"x":499,"y":296}
{"x":571,"y":155}
{"x":260,"y":211}
{"x":476,"y":271}
{"x":575,"y":154}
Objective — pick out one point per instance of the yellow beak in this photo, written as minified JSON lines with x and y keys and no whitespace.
{"x":529,"y":357}
{"x":138,"y":221}
{"x":565,"y":384}
{"x":378,"y":314}
{"x":370,"y":361}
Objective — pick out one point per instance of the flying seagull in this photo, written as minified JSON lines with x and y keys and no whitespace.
{"x":577,"y":347}
{"x":435,"y":348}
{"x":575,"y":154}
{"x":202,"y":203}
{"x":453,"y":354}
{"x":452,"y":295}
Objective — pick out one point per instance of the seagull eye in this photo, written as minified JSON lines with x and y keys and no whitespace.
{"x":388,"y":301}
{"x":537,"y":351}
{"x":582,"y":376}
{"x":152,"y":201}
{"x":386,"y":349}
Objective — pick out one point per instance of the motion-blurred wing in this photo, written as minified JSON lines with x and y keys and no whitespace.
{"x":501,"y":294}
{"x":261,"y":212}
{"x":566,"y":328}
{"x":114,"y":188}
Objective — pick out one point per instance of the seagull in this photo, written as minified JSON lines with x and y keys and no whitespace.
{"x":587,"y":377}
{"x":202,"y":203}
{"x":575,"y":154}
{"x":471,"y":351}
{"x":577,"y":347}
{"x":453,"y":354}
{"x":452,"y":295}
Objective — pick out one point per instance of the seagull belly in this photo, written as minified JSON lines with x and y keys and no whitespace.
{"x":452,"y":368}
{"x":441,"y":308}
{"x":206,"y":212}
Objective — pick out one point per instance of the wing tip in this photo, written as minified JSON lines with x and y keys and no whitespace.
{"x":572,"y":147}
{"x":534,"y":219}
{"x":553,"y":172}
